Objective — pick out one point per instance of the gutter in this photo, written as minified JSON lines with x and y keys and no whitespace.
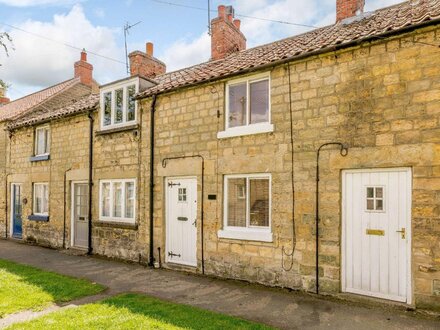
{"x":90,"y":248}
{"x":302,"y":56}
{"x":151,"y":211}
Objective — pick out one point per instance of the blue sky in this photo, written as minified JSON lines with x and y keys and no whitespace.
{"x":178,"y":33}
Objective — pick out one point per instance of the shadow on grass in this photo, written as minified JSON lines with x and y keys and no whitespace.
{"x":25,"y":287}
{"x":183,"y":316}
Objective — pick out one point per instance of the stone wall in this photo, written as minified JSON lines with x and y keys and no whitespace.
{"x":382,"y":100}
{"x":3,"y":173}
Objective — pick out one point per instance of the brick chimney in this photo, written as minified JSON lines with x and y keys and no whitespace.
{"x":348,"y":8}
{"x":3,"y":98}
{"x":145,"y":64}
{"x":226,"y":37}
{"x":84,"y":70}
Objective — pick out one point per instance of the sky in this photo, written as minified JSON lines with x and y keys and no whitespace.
{"x":47,"y":35}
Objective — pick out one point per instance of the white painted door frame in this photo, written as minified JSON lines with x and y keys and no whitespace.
{"x":72,"y":210}
{"x":167,"y":219}
{"x":409,"y":284}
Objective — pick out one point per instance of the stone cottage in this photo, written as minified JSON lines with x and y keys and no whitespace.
{"x":311,"y":163}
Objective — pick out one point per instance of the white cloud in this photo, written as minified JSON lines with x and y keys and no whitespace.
{"x":39,"y":63}
{"x":186,"y":52}
{"x":33,"y":3}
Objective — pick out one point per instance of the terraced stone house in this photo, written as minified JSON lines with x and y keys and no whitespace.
{"x":311,"y":163}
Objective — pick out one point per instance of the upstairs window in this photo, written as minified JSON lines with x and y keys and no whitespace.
{"x":42,"y":141}
{"x":118,"y":106}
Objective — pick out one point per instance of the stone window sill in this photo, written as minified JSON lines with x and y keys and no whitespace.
{"x":117,"y":129}
{"x":246,"y":130}
{"x":121,"y":225}
{"x":42,"y":218}
{"x":39,"y":158}
{"x":246,"y":235}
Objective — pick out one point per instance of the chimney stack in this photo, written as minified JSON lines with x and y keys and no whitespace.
{"x":348,"y":8}
{"x":3,"y":98}
{"x":145,"y":64}
{"x":226,"y":37}
{"x":84,"y":70}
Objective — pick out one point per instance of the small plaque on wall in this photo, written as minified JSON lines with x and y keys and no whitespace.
{"x":212,"y":197}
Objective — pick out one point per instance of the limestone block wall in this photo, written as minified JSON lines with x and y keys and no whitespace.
{"x":68,"y":162}
{"x":382,"y":100}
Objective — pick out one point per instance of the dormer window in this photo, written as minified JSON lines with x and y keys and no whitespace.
{"x":118,"y":106}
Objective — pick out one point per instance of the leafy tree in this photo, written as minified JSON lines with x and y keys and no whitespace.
{"x":5,"y":39}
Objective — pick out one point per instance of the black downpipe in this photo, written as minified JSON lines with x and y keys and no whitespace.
{"x":90,"y":248}
{"x":202,"y":209}
{"x":65,"y":206}
{"x":153,"y":110}
{"x":343,"y":152}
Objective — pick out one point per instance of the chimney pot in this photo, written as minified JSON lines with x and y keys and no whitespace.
{"x":144,"y":64}
{"x":150,"y":49}
{"x":226,"y":37}
{"x":84,"y":70}
{"x":3,"y":98}
{"x":348,"y":8}
{"x":222,"y":11}
{"x":237,"y":23}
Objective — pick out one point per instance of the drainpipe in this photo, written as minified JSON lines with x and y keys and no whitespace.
{"x":6,"y":205}
{"x":65,"y":203}
{"x":153,"y":110}
{"x":91,"y":119}
{"x":343,"y":151}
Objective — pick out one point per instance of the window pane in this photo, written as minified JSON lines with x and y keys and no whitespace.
{"x":117,"y":201}
{"x":370,"y":204}
{"x":236,"y":205}
{"x":379,"y":205}
{"x":105,"y":199}
{"x":129,"y":203}
{"x":107,"y":108}
{"x":40,"y":137}
{"x":259,"y":94}
{"x":45,"y":199}
{"x":46,"y":140}
{"x":259,"y":202}
{"x":118,"y":106}
{"x":131,"y":91}
{"x":379,"y":192}
{"x":237,"y":105}
{"x":370,"y":192}
{"x":38,"y":198}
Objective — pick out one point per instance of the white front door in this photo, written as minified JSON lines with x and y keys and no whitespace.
{"x":376,"y":233}
{"x":80,"y":225}
{"x":181,"y":219}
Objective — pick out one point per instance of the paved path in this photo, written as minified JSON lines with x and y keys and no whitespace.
{"x":279,"y":308}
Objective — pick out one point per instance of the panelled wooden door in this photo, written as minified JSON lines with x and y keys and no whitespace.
{"x":181,"y":221}
{"x":376,"y":232}
{"x":80,"y":202}
{"x":16,"y":211}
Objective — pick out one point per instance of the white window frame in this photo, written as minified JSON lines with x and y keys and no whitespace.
{"x":111,"y":218}
{"x":112,"y":89}
{"x":249,"y":233}
{"x":34,"y":199}
{"x":374,"y":199}
{"x":46,"y":141}
{"x":248,"y":128}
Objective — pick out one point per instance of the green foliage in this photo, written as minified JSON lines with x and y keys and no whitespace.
{"x":28,"y":288}
{"x":134,"y":311}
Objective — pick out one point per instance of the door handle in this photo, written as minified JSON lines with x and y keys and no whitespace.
{"x":402,"y":232}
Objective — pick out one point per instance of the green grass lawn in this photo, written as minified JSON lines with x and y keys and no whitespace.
{"x":28,"y":288}
{"x":133,"y":311}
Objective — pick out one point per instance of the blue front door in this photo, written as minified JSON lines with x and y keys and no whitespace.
{"x":16,"y":211}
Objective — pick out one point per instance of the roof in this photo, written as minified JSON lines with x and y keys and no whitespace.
{"x":22,"y":105}
{"x":387,"y":20}
{"x":84,"y":104}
